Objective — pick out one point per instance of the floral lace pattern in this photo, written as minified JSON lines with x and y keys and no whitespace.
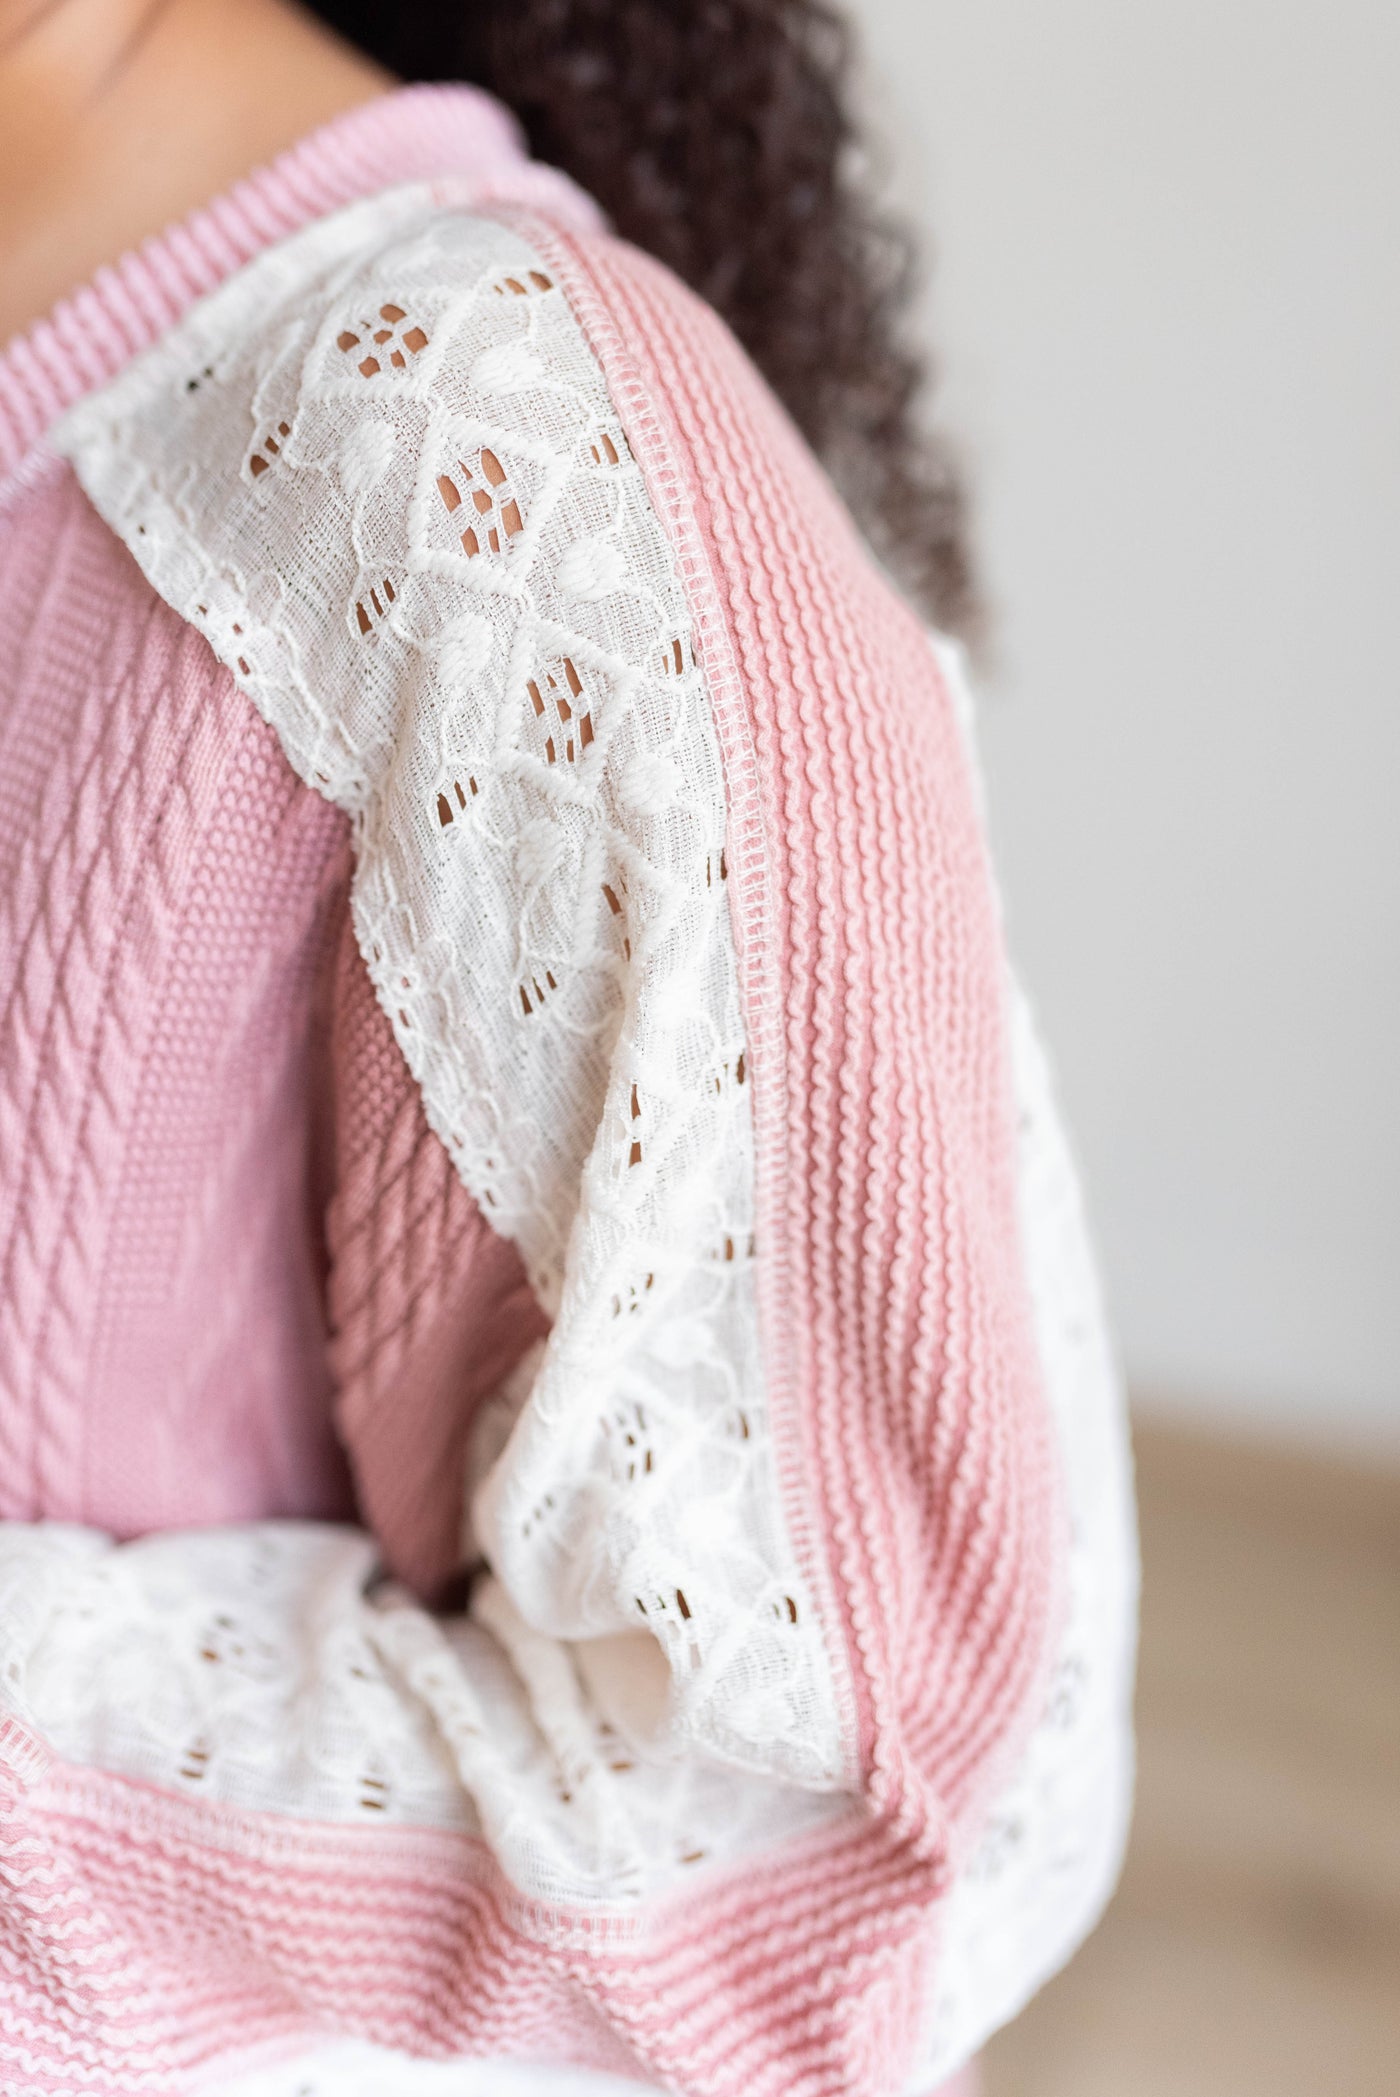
{"x":258,"y":1665}
{"x":420,"y":541}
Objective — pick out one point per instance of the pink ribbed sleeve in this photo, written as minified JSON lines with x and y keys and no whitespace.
{"x":897,"y":1323}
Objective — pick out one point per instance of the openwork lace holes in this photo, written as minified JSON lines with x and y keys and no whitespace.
{"x":608,"y":448}
{"x":453,"y":799}
{"x":615,"y":895}
{"x":673,"y":1612}
{"x":629,"y":1442}
{"x":374,"y":606}
{"x":194,"y":1763}
{"x":542,"y":1511}
{"x":524,"y":286}
{"x":485,"y":488}
{"x":1067,"y":1687}
{"x":611,"y":1746}
{"x":735,"y":1073}
{"x":382,"y":344}
{"x":674,"y":1604}
{"x":628,"y":1302}
{"x":677,"y":656}
{"x":536,"y":990}
{"x":1001,"y":1838}
{"x":558,"y":702}
{"x":270,"y":449}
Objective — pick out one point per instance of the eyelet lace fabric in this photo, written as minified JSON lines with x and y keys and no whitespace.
{"x":418,"y":538}
{"x":382,"y":473}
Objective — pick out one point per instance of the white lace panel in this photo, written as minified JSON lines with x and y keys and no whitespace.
{"x":381,"y":470}
{"x":257,"y":1666}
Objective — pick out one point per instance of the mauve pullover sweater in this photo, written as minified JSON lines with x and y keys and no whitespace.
{"x":504,"y":1059}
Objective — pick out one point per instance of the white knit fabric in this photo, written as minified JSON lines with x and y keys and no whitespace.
{"x":642,"y":1689}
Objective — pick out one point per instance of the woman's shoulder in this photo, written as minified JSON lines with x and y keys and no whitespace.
{"x":389,"y":475}
{"x":422,"y":378}
{"x":484,"y":510}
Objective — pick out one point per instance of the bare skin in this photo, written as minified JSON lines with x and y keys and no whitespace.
{"x":118,"y":117}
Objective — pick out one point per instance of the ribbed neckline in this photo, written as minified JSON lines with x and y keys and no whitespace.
{"x":409,"y":134}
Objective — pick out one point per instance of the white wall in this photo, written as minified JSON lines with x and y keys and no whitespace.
{"x":1167,"y":298}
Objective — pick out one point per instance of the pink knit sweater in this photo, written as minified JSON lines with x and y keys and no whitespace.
{"x":500,"y":995}
{"x":222,"y":1211}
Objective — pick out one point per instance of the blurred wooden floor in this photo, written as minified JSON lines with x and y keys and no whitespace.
{"x":1253,"y":1949}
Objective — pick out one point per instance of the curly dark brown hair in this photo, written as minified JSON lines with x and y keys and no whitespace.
{"x":715,"y":134}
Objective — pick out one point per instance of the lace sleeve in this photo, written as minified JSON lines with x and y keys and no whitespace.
{"x":507,"y":702}
{"x":669,"y":885}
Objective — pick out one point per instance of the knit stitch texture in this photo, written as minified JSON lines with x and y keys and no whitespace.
{"x":261,"y":1261}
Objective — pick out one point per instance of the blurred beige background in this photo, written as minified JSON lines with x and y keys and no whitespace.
{"x":1167,"y":302}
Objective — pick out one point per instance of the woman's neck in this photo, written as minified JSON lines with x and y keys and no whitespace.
{"x":121,"y":116}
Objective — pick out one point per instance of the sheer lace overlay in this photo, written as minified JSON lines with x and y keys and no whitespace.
{"x":417,"y":536}
{"x":258,"y":1666}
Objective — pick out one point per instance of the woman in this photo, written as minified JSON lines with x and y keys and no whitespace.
{"x":563,"y":1493}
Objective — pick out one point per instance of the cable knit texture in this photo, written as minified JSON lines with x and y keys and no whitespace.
{"x":429,"y":1309}
{"x":255,"y":1264}
{"x":177,"y":1027}
{"x":169,"y":905}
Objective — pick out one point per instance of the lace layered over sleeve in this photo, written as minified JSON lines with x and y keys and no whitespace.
{"x":780,"y":1747}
